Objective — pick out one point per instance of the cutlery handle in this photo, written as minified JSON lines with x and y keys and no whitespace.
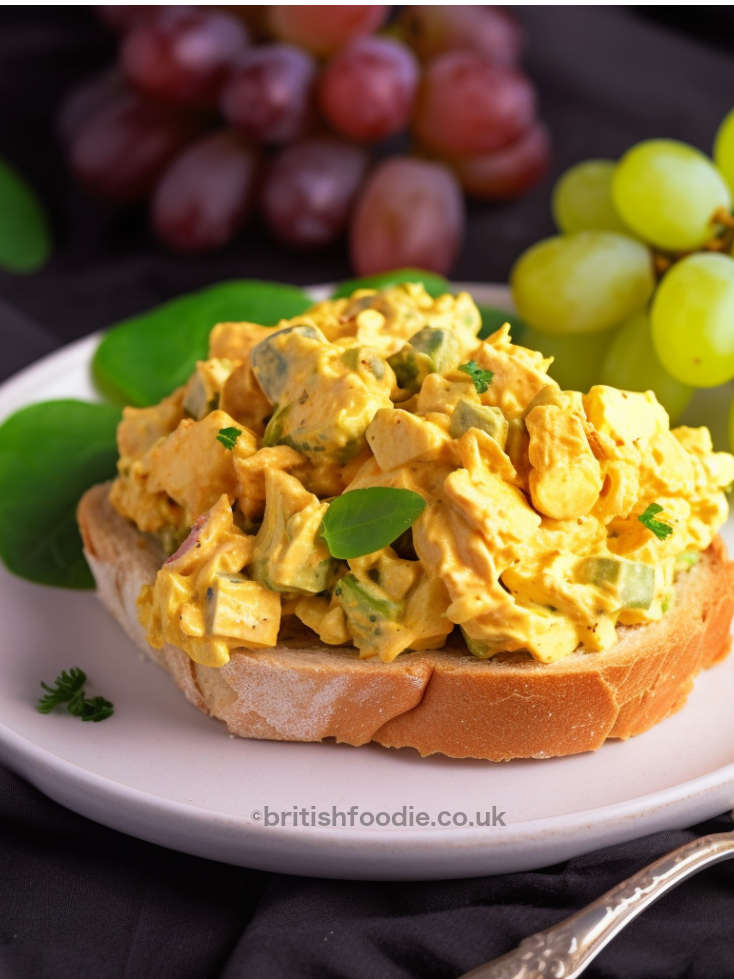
{"x":564,"y":951}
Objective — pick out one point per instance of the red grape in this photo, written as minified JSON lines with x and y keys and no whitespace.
{"x":323,"y":29}
{"x":488,"y":31}
{"x":410,"y":213}
{"x":467,"y":105}
{"x":508,"y":171}
{"x":184,"y":53}
{"x":310,"y":189}
{"x":268,"y":95}
{"x":121,"y":148}
{"x":368,"y":88}
{"x":86,"y":99}
{"x":204,"y":196}
{"x":121,"y":18}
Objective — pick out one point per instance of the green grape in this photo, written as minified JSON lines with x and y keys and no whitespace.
{"x":582,"y":199}
{"x":582,"y":283}
{"x":667,"y":193}
{"x":693,"y":320}
{"x":724,"y":149}
{"x":631,"y":363}
{"x":577,"y":358}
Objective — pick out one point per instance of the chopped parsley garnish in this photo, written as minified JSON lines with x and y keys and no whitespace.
{"x":481,"y":377}
{"x":657,"y":527}
{"x":67,"y":685}
{"x":90,"y":708}
{"x":228,"y":436}
{"x":68,"y":691}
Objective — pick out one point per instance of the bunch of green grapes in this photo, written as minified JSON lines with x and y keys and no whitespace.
{"x":637,"y":290}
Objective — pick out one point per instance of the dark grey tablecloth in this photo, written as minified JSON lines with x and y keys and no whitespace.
{"x":77,"y":899}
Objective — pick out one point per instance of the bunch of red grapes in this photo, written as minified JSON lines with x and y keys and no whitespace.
{"x":310,"y":114}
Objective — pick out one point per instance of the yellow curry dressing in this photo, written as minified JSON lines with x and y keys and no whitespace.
{"x":530,"y":540}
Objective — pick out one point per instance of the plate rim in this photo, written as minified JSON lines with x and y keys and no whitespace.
{"x":24,"y":748}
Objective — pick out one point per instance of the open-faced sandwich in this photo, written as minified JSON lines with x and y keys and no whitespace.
{"x":529,"y":572}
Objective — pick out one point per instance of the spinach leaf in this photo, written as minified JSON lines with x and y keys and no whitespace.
{"x":435,"y":285}
{"x":50,"y":453}
{"x":144,"y":358}
{"x":493,"y":319}
{"x":24,"y":237}
{"x":364,"y":520}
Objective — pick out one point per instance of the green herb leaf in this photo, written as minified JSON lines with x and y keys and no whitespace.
{"x":144,"y":358}
{"x":482,"y":378}
{"x":365,"y":520}
{"x":68,"y":689}
{"x":228,"y":436}
{"x":493,"y":319}
{"x":435,"y":285}
{"x":24,"y":237}
{"x":660,"y":529}
{"x":67,"y":685}
{"x":90,"y":708}
{"x":50,"y":453}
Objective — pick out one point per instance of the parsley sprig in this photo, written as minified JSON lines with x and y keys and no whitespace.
{"x":657,"y":527}
{"x":481,"y":377}
{"x":68,"y":690}
{"x":228,"y":436}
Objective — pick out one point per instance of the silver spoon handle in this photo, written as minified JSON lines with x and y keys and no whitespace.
{"x":564,"y":951}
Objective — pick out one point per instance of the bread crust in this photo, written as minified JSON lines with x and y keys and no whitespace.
{"x":439,"y":701}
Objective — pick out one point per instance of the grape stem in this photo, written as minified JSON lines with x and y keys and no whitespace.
{"x":722,"y":241}
{"x":661,"y":263}
{"x":722,"y":216}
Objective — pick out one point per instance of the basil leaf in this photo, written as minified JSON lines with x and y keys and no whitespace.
{"x":365,"y":520}
{"x":50,"y":453}
{"x":24,"y":236}
{"x":144,"y":358}
{"x":493,"y":319}
{"x":435,"y":285}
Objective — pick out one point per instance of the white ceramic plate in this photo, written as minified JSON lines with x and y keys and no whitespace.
{"x":160,"y":770}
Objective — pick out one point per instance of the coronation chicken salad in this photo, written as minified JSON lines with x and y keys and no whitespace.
{"x":551,"y":517}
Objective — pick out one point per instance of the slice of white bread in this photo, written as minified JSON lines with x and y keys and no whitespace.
{"x":444,"y":701}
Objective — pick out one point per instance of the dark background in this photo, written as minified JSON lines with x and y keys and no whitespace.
{"x":77,"y":899}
